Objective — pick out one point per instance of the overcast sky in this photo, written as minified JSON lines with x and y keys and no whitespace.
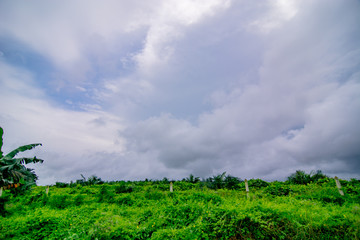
{"x":151,"y":89}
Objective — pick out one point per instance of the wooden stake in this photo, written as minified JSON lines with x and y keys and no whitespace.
{"x":171,"y":187}
{"x":338,"y":185}
{"x":247,"y":188}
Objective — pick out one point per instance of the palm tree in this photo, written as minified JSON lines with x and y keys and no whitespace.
{"x":13,"y":171}
{"x":192,"y":179}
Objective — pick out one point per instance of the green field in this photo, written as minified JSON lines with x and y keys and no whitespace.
{"x":148,"y":210}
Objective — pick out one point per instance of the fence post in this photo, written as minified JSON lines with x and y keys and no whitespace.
{"x":47,"y":191}
{"x":338,"y":185}
{"x":247,"y":188}
{"x":171,"y":187}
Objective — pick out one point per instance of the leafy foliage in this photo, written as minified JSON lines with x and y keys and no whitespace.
{"x":258,"y":183}
{"x":318,"y":175}
{"x":280,"y":210}
{"x":222,"y":181}
{"x":1,"y":141}
{"x":277,"y":189}
{"x":13,"y":171}
{"x":192,"y":179}
{"x":300,"y":177}
{"x":123,"y":188}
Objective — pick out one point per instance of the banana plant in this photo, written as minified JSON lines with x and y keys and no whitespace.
{"x":13,"y":172}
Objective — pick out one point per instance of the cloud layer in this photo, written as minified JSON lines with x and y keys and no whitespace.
{"x":167,"y":88}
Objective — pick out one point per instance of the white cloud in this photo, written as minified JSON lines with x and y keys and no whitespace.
{"x":57,"y":29}
{"x":293,"y":117}
{"x":180,"y":87}
{"x":167,"y":26}
{"x":67,"y":135}
{"x":278,"y":13}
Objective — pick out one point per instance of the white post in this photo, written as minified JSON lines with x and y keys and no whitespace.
{"x":338,"y":185}
{"x":1,"y":189}
{"x":47,"y":190}
{"x":171,"y":187}
{"x":247,"y":188}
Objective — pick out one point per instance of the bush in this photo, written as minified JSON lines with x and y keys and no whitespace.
{"x":126,"y":200}
{"x":154,"y":195}
{"x":216,"y":182}
{"x":222,"y":181}
{"x":231,"y":182}
{"x":78,"y":200}
{"x":58,"y":201}
{"x":93,"y":180}
{"x":257,"y":183}
{"x":40,"y":228}
{"x":123,"y":188}
{"x":61,"y":185}
{"x":104,"y":195}
{"x":277,"y":189}
{"x":311,"y":211}
{"x":3,"y":201}
{"x":192,"y":179}
{"x":299,"y":177}
{"x":318,"y":175}
{"x":206,"y":198}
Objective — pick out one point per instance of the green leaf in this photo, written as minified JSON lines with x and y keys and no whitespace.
{"x":28,"y":160}
{"x":21,"y":149}
{"x":1,"y":141}
{"x":16,"y":175}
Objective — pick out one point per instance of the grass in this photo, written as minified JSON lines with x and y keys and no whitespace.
{"x":149,"y":211}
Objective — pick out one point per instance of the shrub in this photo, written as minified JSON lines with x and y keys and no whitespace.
{"x":3,"y":201}
{"x":277,"y":189}
{"x":61,"y":185}
{"x":206,"y":198}
{"x":126,"y":200}
{"x":123,"y":188}
{"x":39,"y":228}
{"x":93,"y":180}
{"x":318,"y":175}
{"x":257,"y":183}
{"x":105,"y":195}
{"x":154,"y":195}
{"x":222,"y":181}
{"x":78,"y":200}
{"x":58,"y":201}
{"x":183,"y":214}
{"x":323,"y":181}
{"x":231,"y":182}
{"x":299,"y":177}
{"x":192,"y":179}
{"x":216,"y":182}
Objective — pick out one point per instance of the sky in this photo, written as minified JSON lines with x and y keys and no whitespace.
{"x":128,"y":90}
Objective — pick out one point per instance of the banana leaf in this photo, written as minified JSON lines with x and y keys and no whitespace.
{"x":21,"y":149}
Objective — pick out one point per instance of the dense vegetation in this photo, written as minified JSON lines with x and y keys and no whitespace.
{"x":13,"y":172}
{"x":306,"y":206}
